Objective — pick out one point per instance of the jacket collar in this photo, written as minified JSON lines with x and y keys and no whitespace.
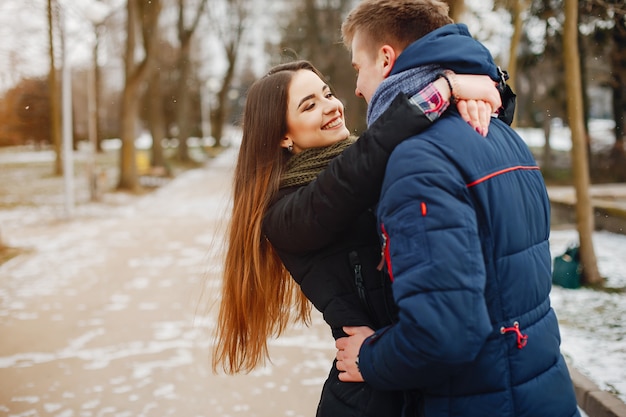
{"x":452,"y":47}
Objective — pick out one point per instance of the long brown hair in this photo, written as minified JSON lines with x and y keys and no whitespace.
{"x":259,"y":297}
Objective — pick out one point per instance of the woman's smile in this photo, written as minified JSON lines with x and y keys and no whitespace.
{"x":338,"y":121}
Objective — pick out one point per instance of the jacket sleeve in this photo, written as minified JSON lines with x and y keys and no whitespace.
{"x":434,"y":255}
{"x":347,"y":187}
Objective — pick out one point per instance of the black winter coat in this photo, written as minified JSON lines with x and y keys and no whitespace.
{"x":326,"y":235}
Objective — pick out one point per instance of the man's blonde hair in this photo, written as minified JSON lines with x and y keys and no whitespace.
{"x":397,"y":23}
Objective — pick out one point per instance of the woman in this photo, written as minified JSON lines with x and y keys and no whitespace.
{"x":293,"y":127}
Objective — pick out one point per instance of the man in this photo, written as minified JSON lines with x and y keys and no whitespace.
{"x":464,"y":223}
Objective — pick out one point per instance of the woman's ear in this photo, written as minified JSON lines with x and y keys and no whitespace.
{"x":286,"y":143}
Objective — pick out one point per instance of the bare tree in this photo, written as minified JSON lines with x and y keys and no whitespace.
{"x":517,"y":10}
{"x":580,"y":163}
{"x":607,"y":18}
{"x":142,"y":17}
{"x":538,"y":75}
{"x":230,"y":22}
{"x":185,"y":35}
{"x":100,"y":29}
{"x":618,"y":84}
{"x":156,"y":120}
{"x":160,"y":103}
{"x":54,"y":92}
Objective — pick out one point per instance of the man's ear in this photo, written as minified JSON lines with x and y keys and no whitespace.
{"x":388,"y":58}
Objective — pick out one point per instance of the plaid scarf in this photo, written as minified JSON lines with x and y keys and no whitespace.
{"x":410,"y":82}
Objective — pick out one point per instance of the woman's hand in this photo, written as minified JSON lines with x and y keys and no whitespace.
{"x":477,"y":113}
{"x":476,"y":96}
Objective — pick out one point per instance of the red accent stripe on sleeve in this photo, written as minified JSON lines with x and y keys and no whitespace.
{"x":503,"y":171}
{"x":386,"y":253}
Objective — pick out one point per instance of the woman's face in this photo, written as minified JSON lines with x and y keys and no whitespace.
{"x":314,"y":115}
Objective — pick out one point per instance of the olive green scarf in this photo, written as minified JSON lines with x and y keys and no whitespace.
{"x":304,"y":167}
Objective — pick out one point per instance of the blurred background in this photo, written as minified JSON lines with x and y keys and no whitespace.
{"x":103,"y":101}
{"x":122,"y":95}
{"x":171,"y":75}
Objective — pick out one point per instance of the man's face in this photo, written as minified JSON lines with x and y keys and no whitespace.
{"x":369,"y":67}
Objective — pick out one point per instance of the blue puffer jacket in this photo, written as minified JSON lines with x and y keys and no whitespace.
{"x":465,"y":221}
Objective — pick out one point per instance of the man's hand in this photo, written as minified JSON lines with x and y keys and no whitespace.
{"x":348,"y":353}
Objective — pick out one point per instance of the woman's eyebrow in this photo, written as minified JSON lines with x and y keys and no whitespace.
{"x":310,"y":96}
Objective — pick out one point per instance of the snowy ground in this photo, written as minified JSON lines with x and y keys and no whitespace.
{"x":104,"y":314}
{"x":593,"y":328}
{"x":592,"y":322}
{"x":600,"y":132}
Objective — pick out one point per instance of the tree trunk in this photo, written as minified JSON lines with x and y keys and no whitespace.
{"x":580,"y":164}
{"x":55,"y":97}
{"x":128,"y":169}
{"x":97,"y":81}
{"x":157,"y":121}
{"x":185,"y":35}
{"x":237,"y":15}
{"x":618,"y":66}
{"x":618,"y":86}
{"x":143,"y":14}
{"x":218,"y":115}
{"x":457,"y":8}
{"x":182,"y":113}
{"x":547,"y":147}
{"x":518,"y":24}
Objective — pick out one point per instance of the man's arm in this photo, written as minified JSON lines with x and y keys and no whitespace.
{"x":434,"y":256}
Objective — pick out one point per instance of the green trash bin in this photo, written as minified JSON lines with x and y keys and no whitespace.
{"x":566,"y":271}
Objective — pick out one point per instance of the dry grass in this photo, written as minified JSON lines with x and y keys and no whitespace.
{"x":27,"y":177}
{"x":7,"y":252}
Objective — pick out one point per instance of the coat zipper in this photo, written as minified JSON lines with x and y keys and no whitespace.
{"x":355,"y":263}
{"x":358,"y":276}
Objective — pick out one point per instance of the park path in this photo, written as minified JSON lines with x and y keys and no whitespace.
{"x":111,"y":313}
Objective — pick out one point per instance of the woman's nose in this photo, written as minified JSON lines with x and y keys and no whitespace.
{"x":333,"y":106}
